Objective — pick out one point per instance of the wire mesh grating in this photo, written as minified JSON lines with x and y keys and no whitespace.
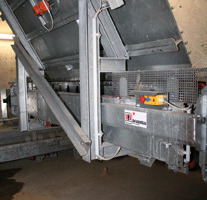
{"x":180,"y":84}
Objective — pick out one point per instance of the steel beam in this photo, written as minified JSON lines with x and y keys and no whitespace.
{"x":109,"y":32}
{"x":152,"y":47}
{"x":27,"y":149}
{"x":68,"y":123}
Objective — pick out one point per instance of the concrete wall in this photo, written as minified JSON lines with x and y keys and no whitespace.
{"x":191,"y":17}
{"x":7,"y":58}
{"x":7,"y":64}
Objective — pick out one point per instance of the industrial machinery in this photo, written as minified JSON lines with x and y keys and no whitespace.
{"x":114,"y":75}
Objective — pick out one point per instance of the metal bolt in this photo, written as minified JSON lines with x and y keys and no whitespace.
{"x":98,"y":35}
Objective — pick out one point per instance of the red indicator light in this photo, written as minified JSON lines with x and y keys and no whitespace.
{"x":142,"y":99}
{"x":40,"y":8}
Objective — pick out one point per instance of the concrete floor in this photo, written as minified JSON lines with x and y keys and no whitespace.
{"x":66,"y":178}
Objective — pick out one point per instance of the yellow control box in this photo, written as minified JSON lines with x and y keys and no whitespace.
{"x":154,"y":100}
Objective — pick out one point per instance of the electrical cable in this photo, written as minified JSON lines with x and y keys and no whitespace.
{"x":100,"y":9}
{"x":178,"y":108}
{"x":107,"y":159}
{"x":95,"y":16}
{"x":52,"y":21}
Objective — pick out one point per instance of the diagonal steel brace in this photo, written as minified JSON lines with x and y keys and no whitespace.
{"x":68,"y":123}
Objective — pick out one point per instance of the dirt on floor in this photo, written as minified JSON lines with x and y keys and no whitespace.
{"x":64,"y":178}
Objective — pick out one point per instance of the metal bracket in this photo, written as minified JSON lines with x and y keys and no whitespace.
{"x":153,"y":47}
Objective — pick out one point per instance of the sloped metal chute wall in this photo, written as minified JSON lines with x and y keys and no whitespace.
{"x":140,"y":21}
{"x":137,"y":22}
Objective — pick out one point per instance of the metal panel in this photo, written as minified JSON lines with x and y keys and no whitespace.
{"x":61,"y":74}
{"x":74,"y":59}
{"x":44,"y":113}
{"x":146,"y":21}
{"x":37,"y":33}
{"x":32,"y":107}
{"x":58,"y":43}
{"x":73,"y":130}
{"x":178,"y":127}
{"x":112,"y":64}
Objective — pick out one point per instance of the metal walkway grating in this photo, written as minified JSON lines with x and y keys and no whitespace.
{"x":181,"y":84}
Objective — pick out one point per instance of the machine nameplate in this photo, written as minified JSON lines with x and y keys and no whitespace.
{"x":135,"y":118}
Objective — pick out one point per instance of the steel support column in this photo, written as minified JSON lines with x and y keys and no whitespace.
{"x":83,"y":60}
{"x":22,"y":96}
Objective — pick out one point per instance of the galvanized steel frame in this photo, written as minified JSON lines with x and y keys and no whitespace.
{"x":70,"y":126}
{"x":22,"y":96}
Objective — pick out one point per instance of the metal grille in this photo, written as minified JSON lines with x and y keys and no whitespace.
{"x":181,"y":84}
